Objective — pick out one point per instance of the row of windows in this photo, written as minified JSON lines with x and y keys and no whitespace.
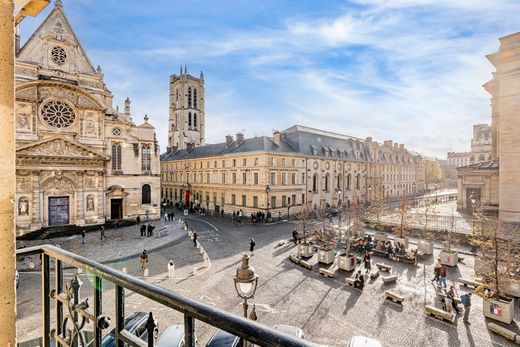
{"x":191,"y":97}
{"x":315,"y":182}
{"x":274,"y":200}
{"x":194,"y":122}
{"x":234,"y":162}
{"x":199,"y":177}
{"x":146,"y":157}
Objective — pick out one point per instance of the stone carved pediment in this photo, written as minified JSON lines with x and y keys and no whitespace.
{"x":58,"y":147}
{"x":58,"y":183}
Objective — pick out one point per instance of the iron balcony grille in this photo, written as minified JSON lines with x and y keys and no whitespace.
{"x":71,"y":315}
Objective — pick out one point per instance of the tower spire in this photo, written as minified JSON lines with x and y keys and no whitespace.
{"x":201,"y":75}
{"x":58,"y":3}
{"x":181,"y":71}
{"x":185,"y":70}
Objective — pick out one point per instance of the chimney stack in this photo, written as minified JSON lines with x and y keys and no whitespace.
{"x":396,"y":146}
{"x":240,"y":138}
{"x":277,"y":137}
{"x":368,"y":140}
{"x":127,"y":106}
{"x":190,"y":146}
{"x":401,"y":147}
{"x":229,"y":140}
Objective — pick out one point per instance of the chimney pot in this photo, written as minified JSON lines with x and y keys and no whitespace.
{"x":277,"y":137}
{"x":240,"y":138}
{"x":229,"y":140}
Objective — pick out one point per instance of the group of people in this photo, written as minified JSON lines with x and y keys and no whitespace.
{"x":169,"y":216}
{"x":146,"y":230}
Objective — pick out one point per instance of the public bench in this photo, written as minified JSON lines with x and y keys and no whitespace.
{"x":374,"y":274}
{"x":305,"y":264}
{"x":394,"y":297}
{"x":508,"y":334}
{"x":389,"y":279}
{"x":438,"y":313}
{"x":384,"y":267}
{"x":406,"y":259}
{"x":469,"y":282}
{"x":327,"y":272}
{"x":442,"y":297}
{"x":350,"y":281}
{"x":380,"y":253}
{"x":295,"y":259}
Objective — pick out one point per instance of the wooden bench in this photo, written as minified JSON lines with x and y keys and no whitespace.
{"x":441,"y":314}
{"x":406,"y":259}
{"x":508,"y":334}
{"x":327,"y":272}
{"x":384,"y":267}
{"x":389,"y":279}
{"x":442,"y":297}
{"x":374,"y":274}
{"x":305,"y":264}
{"x":350,"y":281}
{"x":379,"y":253}
{"x":295,"y":259}
{"x":394,"y":297}
{"x":469,"y":282}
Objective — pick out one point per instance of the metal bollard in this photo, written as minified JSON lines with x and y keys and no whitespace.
{"x":146,"y":273}
{"x":124,"y":270}
{"x":194,"y":271}
{"x":206,"y":262}
{"x":201,"y":250}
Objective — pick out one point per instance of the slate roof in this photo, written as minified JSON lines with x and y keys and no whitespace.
{"x":296,"y":139}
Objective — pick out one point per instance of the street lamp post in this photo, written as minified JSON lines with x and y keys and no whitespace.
{"x":246,"y":281}
{"x":436,"y":193}
{"x":267,"y":190}
{"x":413,"y":192}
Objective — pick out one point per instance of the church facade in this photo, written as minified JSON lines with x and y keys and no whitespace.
{"x":79,"y":161}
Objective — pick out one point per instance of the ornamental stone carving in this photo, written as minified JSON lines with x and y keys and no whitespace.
{"x":58,"y":183}
{"x":23,"y":207}
{"x":84,"y":101}
{"x":24,"y":183}
{"x":58,"y":147}
{"x":90,"y":182}
{"x":90,"y":128}
{"x":29,"y":93}
{"x":90,"y":202}
{"x":58,"y":93}
{"x":23,"y":121}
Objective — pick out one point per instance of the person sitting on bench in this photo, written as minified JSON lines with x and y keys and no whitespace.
{"x":359,"y":281}
{"x":450,"y":296}
{"x":390,"y":251}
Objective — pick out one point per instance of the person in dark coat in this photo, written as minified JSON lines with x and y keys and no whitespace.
{"x":142,"y":228}
{"x":150,"y":229}
{"x":359,"y":281}
{"x":252,"y":245}
{"x":295,"y":236}
{"x":195,"y":235}
{"x":138,"y":219}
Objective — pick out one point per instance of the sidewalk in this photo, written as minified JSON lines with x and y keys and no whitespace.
{"x":121,"y":243}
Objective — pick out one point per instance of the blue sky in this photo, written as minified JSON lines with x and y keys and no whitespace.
{"x":406,"y":70}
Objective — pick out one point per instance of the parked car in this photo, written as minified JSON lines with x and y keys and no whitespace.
{"x":363,"y":341}
{"x":134,"y":324}
{"x":173,"y":336}
{"x":224,"y":339}
{"x":289,"y":330}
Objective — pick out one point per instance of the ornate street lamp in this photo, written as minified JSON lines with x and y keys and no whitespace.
{"x":267,"y":190}
{"x":435,"y":192}
{"x":246,"y":281}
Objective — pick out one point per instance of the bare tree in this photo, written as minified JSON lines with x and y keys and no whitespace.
{"x":376,"y":210}
{"x":403,"y":213}
{"x":303,"y":217}
{"x":498,"y":244}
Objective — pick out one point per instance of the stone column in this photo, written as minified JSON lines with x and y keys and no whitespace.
{"x":7,"y":177}
{"x":36,"y":222}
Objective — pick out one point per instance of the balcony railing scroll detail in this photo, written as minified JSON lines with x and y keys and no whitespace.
{"x":72,"y":314}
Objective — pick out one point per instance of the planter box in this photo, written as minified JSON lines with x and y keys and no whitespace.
{"x":347,"y":262}
{"x":380,"y":237}
{"x":326,"y":256}
{"x":403,"y":240}
{"x":449,"y":259}
{"x":425,"y":246}
{"x":305,"y":251}
{"x":500,"y":310}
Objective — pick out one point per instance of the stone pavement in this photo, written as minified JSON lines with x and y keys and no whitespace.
{"x":120,"y":246}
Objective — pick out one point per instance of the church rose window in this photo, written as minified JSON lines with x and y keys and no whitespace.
{"x":58,"y":55}
{"x":58,"y":114}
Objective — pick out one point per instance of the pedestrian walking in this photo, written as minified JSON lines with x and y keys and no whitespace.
{"x":450,"y":299}
{"x":143,"y":230}
{"x":83,"y":236}
{"x":138,"y":220}
{"x":466,"y":302}
{"x":171,"y":269}
{"x":102,"y":232}
{"x":195,"y":235}
{"x":222,"y":213}
{"x":279,"y":216}
{"x":295,"y":236}
{"x":437,"y":270}
{"x":252,"y":245}
{"x":165,"y":216}
{"x":442,"y":276}
{"x":367,"y":262}
{"x":144,"y":260}
{"x":150,"y":230}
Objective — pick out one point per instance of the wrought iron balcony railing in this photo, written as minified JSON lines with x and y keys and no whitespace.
{"x":71,"y":314}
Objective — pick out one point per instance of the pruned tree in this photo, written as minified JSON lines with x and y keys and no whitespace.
{"x":403,"y":214}
{"x":427,"y":212}
{"x":327,"y":236}
{"x":498,"y":244}
{"x":303,"y":218}
{"x":354,"y":214}
{"x":376,"y":210}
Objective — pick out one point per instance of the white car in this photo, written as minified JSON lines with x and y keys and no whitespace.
{"x":363,"y":341}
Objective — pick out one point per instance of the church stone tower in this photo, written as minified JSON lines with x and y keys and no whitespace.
{"x":186,"y":119}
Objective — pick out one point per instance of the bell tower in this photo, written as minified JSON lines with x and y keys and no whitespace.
{"x":186,"y":124}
